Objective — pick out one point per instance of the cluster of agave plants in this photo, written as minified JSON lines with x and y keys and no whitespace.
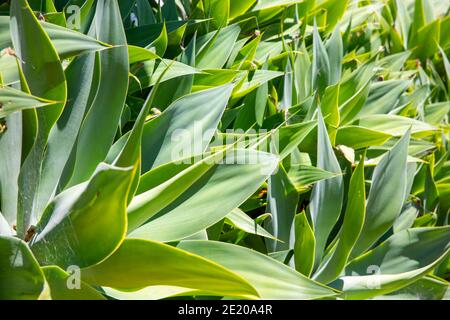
{"x":244,"y":149}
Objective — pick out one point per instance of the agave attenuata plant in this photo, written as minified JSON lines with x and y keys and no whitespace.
{"x":246,"y":149}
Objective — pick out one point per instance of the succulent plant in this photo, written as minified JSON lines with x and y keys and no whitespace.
{"x":246,"y":149}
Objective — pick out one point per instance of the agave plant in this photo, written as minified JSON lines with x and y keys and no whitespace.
{"x":245,"y":149}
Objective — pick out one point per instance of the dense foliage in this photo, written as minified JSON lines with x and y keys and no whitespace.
{"x":249,"y":149}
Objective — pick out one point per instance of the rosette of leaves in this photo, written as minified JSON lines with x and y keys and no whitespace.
{"x":245,"y":149}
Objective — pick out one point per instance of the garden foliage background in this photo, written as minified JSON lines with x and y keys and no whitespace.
{"x":247,"y":149}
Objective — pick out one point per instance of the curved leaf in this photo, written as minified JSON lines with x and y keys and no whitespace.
{"x":155,"y":263}
{"x":20,"y":275}
{"x":270,"y":278}
{"x":85,"y":223}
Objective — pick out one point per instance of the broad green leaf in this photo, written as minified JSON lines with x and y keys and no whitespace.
{"x":68,"y":43}
{"x":406,"y":218}
{"x":154,"y":293}
{"x":303,"y":176}
{"x":218,"y":11}
{"x":175,"y":133}
{"x":239,"y":7}
{"x":5,"y":228}
{"x":384,"y":96}
{"x":386,"y":196}
{"x":395,"y":125}
{"x":329,"y":107}
{"x":8,"y":67}
{"x":148,"y":75}
{"x":334,"y":10}
{"x":160,"y":43}
{"x":426,"y":288}
{"x":240,"y":220}
{"x":138,"y":54}
{"x":10,"y":158}
{"x":320,"y":63}
{"x":214,"y":48}
{"x":335,"y":261}
{"x":436,"y":112}
{"x":175,"y":88}
{"x":304,"y":245}
{"x":270,"y":278}
{"x":254,"y":80}
{"x":21,"y":277}
{"x":428,"y":38}
{"x":335,"y":52}
{"x":269,"y":4}
{"x":66,"y":234}
{"x":395,"y":264}
{"x":302,"y":78}
{"x":282,"y":200}
{"x":188,"y":212}
{"x":357,"y":137}
{"x":291,"y":136}
{"x":59,"y":281}
{"x":144,"y":13}
{"x":44,"y":73}
{"x":156,"y":263}
{"x":82,"y":81}
{"x":327,"y":195}
{"x":12,"y":100}
{"x":354,"y":91}
{"x":100,"y":125}
{"x":144,"y":35}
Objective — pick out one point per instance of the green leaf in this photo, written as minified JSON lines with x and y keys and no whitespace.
{"x":357,"y":137}
{"x":282,"y":199}
{"x":354,"y":91}
{"x":58,"y":281}
{"x":398,"y":262}
{"x":66,"y":234}
{"x":138,"y":54}
{"x":303,"y":176}
{"x":175,"y":133}
{"x":147,"y":75}
{"x":10,"y":158}
{"x":426,"y":288}
{"x":100,"y":125}
{"x":156,"y":263}
{"x":384,"y":96}
{"x":320,"y":63}
{"x":20,"y":275}
{"x":291,"y":136}
{"x":12,"y":100}
{"x":239,"y":7}
{"x":240,"y":220}
{"x":270,"y":278}
{"x":334,"y":10}
{"x":68,"y":43}
{"x":144,"y":13}
{"x":335,"y":261}
{"x":304,"y":245}
{"x":327,"y":195}
{"x":44,"y":73}
{"x":214,"y":48}
{"x":395,"y":125}
{"x":335,"y":52}
{"x":386,"y":196}
{"x":218,"y":11}
{"x":428,"y":38}
{"x":82,"y":81}
{"x":160,"y":43}
{"x":189,"y":209}
{"x":329,"y":107}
